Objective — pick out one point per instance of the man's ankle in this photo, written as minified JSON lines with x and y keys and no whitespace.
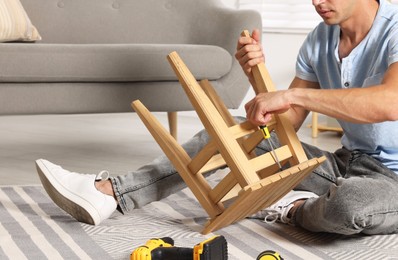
{"x":105,"y":186}
{"x":296,"y":205}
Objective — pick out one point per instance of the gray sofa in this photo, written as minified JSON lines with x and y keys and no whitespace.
{"x":97,"y":56}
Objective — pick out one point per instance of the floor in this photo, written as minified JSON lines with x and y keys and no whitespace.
{"x":89,"y":143}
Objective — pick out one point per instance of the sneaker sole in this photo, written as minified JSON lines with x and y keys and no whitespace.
{"x":60,"y":196}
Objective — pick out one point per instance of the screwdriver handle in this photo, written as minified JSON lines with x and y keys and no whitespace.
{"x":265,"y":131}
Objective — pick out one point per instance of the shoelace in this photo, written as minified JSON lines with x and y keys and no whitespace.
{"x":100,"y":176}
{"x":271,"y":216}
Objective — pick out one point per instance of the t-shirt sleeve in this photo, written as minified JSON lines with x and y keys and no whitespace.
{"x":393,"y":46}
{"x":304,"y":67}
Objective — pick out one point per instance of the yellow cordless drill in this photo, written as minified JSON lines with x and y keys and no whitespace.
{"x":214,"y":248}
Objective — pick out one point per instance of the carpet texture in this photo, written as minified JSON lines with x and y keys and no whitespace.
{"x":32,"y":227}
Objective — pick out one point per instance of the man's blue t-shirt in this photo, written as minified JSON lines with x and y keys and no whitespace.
{"x":318,"y":61}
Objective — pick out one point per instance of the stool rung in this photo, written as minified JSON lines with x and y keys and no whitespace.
{"x":266,"y":160}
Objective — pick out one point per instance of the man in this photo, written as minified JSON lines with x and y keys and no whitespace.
{"x":347,"y":68}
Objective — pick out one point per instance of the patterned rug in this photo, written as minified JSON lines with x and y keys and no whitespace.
{"x":32,"y":227}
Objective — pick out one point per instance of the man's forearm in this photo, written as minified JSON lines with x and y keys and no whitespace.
{"x":357,"y":105}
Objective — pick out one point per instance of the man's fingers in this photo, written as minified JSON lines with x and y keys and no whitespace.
{"x":242,"y":41}
{"x":253,"y":112}
{"x":256,"y":35}
{"x":257,"y":112}
{"x":249,"y":53}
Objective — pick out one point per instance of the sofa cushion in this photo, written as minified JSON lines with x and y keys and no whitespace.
{"x":107,"y":62}
{"x":15,"y":24}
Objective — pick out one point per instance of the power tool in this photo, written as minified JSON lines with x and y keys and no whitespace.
{"x":214,"y":248}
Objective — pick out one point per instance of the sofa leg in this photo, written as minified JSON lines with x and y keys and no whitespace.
{"x":172,"y":117}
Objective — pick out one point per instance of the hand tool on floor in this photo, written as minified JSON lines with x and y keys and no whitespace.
{"x":214,"y":248}
{"x":269,"y":255}
{"x":267,"y":136}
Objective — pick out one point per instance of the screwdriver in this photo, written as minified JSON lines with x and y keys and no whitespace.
{"x":266,"y":134}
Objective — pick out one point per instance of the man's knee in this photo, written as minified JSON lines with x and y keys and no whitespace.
{"x":360,"y":209}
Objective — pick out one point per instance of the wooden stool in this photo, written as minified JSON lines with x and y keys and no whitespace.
{"x":253,"y":183}
{"x":334,"y":127}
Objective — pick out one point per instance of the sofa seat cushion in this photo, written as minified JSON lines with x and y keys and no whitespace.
{"x":107,"y":62}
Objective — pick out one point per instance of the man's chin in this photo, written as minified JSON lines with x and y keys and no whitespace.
{"x":330,"y":22}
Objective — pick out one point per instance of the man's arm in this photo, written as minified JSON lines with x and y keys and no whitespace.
{"x":249,"y":53}
{"x":371,"y":104}
{"x":261,"y":107}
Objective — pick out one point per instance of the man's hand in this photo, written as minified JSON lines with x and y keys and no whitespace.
{"x":259,"y":110}
{"x":249,"y":52}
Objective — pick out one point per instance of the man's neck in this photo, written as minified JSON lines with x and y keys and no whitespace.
{"x":355,"y":29}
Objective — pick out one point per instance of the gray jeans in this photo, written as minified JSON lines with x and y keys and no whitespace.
{"x":357,"y":194}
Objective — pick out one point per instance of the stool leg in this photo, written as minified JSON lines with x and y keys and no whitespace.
{"x":172,"y":118}
{"x":179,"y":158}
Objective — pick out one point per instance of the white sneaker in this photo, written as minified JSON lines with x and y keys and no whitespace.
{"x":280,"y":210}
{"x":76,"y":193}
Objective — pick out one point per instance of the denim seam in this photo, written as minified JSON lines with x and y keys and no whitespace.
{"x":119,"y":195}
{"x":324,"y":175}
{"x":375,"y":213}
{"x":372,"y":215}
{"x":149,"y":182}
